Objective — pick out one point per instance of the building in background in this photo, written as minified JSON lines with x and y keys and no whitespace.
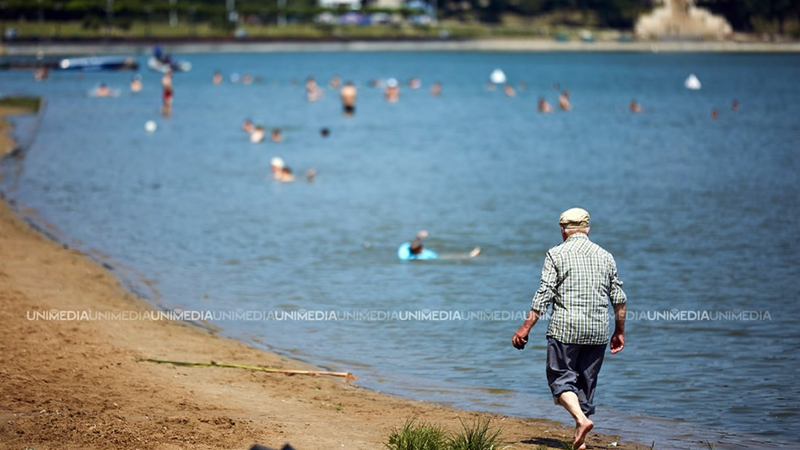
{"x":681,"y":19}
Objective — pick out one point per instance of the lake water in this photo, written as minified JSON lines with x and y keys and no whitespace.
{"x":699,"y":213}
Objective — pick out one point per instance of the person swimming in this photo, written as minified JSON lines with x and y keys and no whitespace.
{"x":415,"y":250}
{"x":392,"y":91}
{"x":563,"y":101}
{"x":257,"y":135}
{"x":348,"y":96}
{"x":544,"y":106}
{"x":509,"y":90}
{"x":247,"y":126}
{"x":102,"y":91}
{"x":313,"y":91}
{"x":136,"y":83}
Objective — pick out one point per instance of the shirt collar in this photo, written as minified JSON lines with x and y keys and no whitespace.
{"x":577,"y":236}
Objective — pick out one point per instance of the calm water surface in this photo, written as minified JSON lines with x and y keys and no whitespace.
{"x":700,"y":215}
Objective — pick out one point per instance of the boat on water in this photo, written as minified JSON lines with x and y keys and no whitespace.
{"x":89,"y":63}
{"x":97,"y":63}
{"x":162,"y":62}
{"x":163,"y":66}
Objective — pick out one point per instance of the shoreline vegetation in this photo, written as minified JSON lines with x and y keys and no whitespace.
{"x":98,"y":27}
{"x":83,"y":384}
{"x":187,"y":46}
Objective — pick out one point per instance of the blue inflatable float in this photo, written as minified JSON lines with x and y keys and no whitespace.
{"x":404,"y":253}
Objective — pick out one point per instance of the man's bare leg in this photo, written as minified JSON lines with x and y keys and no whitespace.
{"x":569,"y":400}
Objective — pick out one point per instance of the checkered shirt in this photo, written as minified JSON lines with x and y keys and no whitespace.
{"x":579,"y":279}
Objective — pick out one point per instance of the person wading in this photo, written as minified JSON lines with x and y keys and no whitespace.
{"x":579,"y":280}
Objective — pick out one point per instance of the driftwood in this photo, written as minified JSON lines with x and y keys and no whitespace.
{"x":348,"y":377}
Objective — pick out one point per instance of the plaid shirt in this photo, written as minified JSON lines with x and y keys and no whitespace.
{"x":578,"y":279}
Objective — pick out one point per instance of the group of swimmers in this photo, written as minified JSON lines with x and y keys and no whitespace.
{"x":257,"y":133}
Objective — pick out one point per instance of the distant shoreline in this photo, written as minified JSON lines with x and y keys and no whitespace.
{"x":138,"y":47}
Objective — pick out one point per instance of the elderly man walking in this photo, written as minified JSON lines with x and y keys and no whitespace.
{"x":579,"y":279}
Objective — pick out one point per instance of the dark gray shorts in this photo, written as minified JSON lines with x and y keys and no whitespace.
{"x":574,"y":367}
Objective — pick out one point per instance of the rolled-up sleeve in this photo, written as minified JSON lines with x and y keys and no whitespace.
{"x":547,"y":287}
{"x":616,"y":295}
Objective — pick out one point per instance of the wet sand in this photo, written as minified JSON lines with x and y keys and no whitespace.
{"x":80,"y":385}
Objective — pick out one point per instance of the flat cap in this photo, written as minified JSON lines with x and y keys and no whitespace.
{"x":574,"y":218}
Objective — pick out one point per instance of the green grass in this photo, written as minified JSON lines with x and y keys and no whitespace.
{"x":477,"y":435}
{"x":417,"y":436}
{"x":31,"y":104}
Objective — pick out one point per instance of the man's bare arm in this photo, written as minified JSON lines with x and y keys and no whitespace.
{"x":618,"y":338}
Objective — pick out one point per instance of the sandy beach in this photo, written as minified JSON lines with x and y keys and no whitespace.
{"x":71,"y":384}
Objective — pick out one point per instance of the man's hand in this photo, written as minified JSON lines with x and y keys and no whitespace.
{"x":617,"y":342}
{"x":520,"y":338}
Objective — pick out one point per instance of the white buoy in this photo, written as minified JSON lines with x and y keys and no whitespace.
{"x":498,"y":76}
{"x":150,"y":126}
{"x":692,"y":82}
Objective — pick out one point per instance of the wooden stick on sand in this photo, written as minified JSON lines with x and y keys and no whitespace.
{"x":348,"y":377}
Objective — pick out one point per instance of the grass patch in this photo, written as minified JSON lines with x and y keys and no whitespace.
{"x":31,"y":104}
{"x":417,"y":436}
{"x":477,"y":435}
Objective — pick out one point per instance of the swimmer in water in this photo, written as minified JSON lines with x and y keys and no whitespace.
{"x":136,"y":83}
{"x":257,"y":136}
{"x":167,"y":93}
{"x":544,"y":107}
{"x":313,"y":91}
{"x":348,"y":95}
{"x":41,"y":73}
{"x":416,"y":250}
{"x":286,"y":175}
{"x":102,"y":91}
{"x":563,"y":101}
{"x":392,"y":91}
{"x":509,"y":90}
{"x":276,"y":166}
{"x":247,"y":126}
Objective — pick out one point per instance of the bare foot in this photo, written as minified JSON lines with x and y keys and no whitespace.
{"x":580,"y":434}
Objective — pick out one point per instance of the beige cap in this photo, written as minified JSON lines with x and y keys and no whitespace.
{"x":574,"y":218}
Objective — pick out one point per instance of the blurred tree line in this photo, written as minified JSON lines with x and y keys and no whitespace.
{"x":744,"y":15}
{"x":757,"y":15}
{"x":600,"y":13}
